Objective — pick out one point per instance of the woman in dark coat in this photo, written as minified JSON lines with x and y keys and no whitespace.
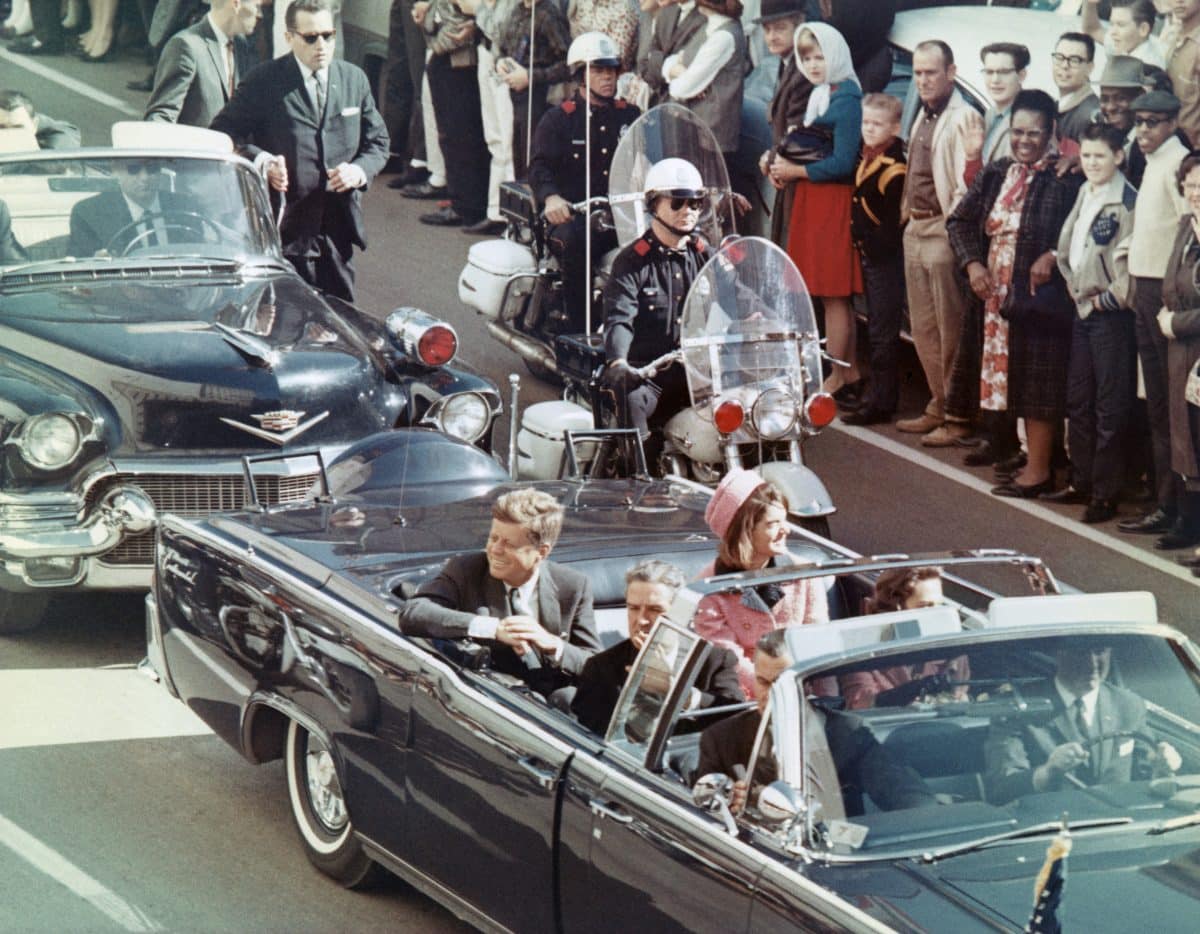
{"x":1180,"y":323}
{"x":1004,"y":232}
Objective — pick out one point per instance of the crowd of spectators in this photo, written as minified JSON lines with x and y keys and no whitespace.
{"x":1046,"y":251}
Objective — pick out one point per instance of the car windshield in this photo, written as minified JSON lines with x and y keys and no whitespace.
{"x":938,"y":747}
{"x":131,"y":207}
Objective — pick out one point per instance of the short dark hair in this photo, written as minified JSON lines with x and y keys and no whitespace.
{"x":1190,"y":161}
{"x":1017,"y":52}
{"x":773,"y":644}
{"x":11,"y":100}
{"x":305,"y":6}
{"x":1105,"y":133}
{"x":1039,"y":102}
{"x":1156,"y":79}
{"x":1142,"y":11}
{"x":894,"y":586}
{"x":930,"y":45}
{"x":1083,"y":39}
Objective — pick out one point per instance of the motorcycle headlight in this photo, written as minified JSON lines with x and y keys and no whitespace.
{"x":465,"y":415}
{"x":50,"y":441}
{"x":774,"y":414}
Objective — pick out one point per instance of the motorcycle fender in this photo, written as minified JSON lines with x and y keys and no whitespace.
{"x":693,"y":437}
{"x":806,"y":494}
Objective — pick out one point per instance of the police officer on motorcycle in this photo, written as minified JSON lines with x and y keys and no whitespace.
{"x":643,"y":301}
{"x":557,"y":164}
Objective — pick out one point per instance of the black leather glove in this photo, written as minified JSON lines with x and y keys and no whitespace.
{"x":620,"y":377}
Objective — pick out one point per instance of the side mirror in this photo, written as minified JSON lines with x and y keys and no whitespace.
{"x":779,"y":803}
{"x":713,"y":792}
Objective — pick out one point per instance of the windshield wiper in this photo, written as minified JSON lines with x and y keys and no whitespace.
{"x":1036,"y":830}
{"x":1175,"y":823}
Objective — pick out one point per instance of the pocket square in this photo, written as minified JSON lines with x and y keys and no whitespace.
{"x":350,"y":111}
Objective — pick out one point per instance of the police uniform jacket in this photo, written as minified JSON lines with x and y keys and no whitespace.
{"x":643,"y":301}
{"x":559,"y":148}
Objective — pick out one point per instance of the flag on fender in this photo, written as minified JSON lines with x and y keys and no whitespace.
{"x":1048,"y":888}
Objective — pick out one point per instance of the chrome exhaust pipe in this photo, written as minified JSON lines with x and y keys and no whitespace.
{"x":524,"y":346}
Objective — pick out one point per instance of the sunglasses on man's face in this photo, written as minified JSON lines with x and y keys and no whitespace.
{"x":312,"y":37}
{"x":695,"y":204}
{"x":138,"y":168}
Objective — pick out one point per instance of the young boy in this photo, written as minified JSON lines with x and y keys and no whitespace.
{"x":1092,"y":254}
{"x":876,"y":226}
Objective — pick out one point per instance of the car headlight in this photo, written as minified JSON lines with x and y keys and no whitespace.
{"x":464,"y":415}
{"x":774,"y":414}
{"x":50,"y":441}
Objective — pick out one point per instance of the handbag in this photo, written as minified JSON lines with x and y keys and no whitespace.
{"x":1050,"y":305}
{"x":1191,"y":389}
{"x":805,"y":145}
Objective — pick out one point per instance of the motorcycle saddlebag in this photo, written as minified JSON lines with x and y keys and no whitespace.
{"x":491,"y":264}
{"x":579,"y":356}
{"x":517,"y":203}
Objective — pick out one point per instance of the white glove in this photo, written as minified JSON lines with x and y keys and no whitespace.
{"x":1164,"y":324}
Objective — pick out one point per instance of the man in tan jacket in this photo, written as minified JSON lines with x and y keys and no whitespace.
{"x":937,"y":158}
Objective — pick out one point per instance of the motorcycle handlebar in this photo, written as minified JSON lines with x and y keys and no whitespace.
{"x":656,"y":366}
{"x":587,"y":206}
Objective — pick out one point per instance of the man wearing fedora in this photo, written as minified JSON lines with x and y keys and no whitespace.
{"x":1120,"y":85}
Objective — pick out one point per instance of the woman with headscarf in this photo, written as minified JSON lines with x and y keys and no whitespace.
{"x":1004,"y":233}
{"x":749,"y":516}
{"x":820,"y":159}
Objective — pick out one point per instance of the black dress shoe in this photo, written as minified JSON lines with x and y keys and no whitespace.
{"x":1014,"y":490}
{"x":1152,"y":523}
{"x":868,"y":415}
{"x":1067,"y":496}
{"x":443,"y":217}
{"x":145,"y":84}
{"x":424,"y":192}
{"x":850,"y":394}
{"x":985,"y":454}
{"x":1181,"y":535}
{"x":1098,"y":510}
{"x":32,"y":45}
{"x":485,"y":228}
{"x":1006,"y":468}
{"x":1190,"y":561}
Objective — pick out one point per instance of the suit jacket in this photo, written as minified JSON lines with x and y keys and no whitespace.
{"x":1014,"y":748}
{"x":189,"y":83}
{"x":271,"y":112}
{"x":97,"y":220}
{"x":10,"y":250}
{"x":668,"y":35}
{"x":862,"y":764}
{"x":443,"y":609}
{"x":56,"y":134}
{"x":604,"y":675}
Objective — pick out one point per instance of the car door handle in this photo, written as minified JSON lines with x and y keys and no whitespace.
{"x":610,"y":811}
{"x":546,"y":778}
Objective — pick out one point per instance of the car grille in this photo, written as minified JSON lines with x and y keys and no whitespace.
{"x":193,"y":496}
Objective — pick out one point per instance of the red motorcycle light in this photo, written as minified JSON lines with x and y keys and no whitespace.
{"x":437,"y":346}
{"x":728,"y":416}
{"x":820,"y":409}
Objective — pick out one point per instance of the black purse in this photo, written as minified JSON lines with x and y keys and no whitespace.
{"x":805,"y":145}
{"x":1050,"y":305}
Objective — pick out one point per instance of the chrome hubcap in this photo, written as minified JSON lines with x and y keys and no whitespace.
{"x":324,"y":789}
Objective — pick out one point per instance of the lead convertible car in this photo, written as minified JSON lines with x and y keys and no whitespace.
{"x":141,"y":359}
{"x":279,"y":628}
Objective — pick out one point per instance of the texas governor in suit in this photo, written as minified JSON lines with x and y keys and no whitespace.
{"x":201,"y":65}
{"x":536,"y":614}
{"x":309,"y":122}
{"x":1088,"y":740}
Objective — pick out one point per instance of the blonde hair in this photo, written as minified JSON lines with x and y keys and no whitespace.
{"x":737,"y":549}
{"x":537,"y":512}
{"x":877,"y":100}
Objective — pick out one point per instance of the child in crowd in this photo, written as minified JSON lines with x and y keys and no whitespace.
{"x":1092,"y":254}
{"x":876,"y":227}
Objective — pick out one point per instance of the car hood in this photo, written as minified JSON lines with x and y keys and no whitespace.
{"x":202,"y":364}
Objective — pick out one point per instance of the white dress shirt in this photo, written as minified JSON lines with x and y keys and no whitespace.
{"x":717,"y":50}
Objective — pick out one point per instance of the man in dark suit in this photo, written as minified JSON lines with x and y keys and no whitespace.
{"x":140,"y":210}
{"x":852,"y":759}
{"x":650,"y":588}
{"x":16,"y":110}
{"x":201,"y":65}
{"x":309,"y":121}
{"x":10,"y":250}
{"x":537,"y":615}
{"x":1086,"y":741}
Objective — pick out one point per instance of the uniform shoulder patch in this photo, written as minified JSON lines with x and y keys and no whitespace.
{"x":568,"y":107}
{"x":641,"y":247}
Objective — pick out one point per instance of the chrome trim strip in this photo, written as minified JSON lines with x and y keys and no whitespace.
{"x":154,"y":647}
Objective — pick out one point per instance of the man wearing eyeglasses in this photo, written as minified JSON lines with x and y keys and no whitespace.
{"x":1005,"y":65}
{"x":1073,"y":58}
{"x":309,"y":123}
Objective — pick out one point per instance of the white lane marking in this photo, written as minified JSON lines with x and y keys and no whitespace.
{"x":71,"y":84}
{"x":53,"y":864}
{"x":969,"y":480}
{"x":51,"y":707}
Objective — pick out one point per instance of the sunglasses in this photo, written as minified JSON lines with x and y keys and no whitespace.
{"x":695,"y":204}
{"x":138,"y":168}
{"x":1150,"y":122}
{"x":312,"y":37}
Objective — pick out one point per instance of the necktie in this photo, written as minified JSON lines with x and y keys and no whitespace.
{"x":1081,"y":723}
{"x":516,"y":603}
{"x":319,"y":88}
{"x":230,"y":66}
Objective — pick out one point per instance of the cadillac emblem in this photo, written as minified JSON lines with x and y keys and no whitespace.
{"x":278,"y":427}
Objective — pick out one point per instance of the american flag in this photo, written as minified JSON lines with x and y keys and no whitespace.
{"x":1048,"y":889}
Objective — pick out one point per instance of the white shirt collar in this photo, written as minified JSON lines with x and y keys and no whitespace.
{"x":308,"y":74}
{"x":1074,"y":99}
{"x":1089,"y":701}
{"x":528,"y":592}
{"x":136,"y":210}
{"x":223,"y":39}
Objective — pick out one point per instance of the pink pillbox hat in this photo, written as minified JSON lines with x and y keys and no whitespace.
{"x":734,"y":489}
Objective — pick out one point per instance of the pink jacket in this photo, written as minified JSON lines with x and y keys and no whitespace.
{"x":726,"y":621}
{"x":861,"y":687}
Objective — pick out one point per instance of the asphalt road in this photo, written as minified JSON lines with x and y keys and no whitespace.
{"x":118,"y":811}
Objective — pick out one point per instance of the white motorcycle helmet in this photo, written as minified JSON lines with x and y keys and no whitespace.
{"x":673,"y":178}
{"x":593,"y":48}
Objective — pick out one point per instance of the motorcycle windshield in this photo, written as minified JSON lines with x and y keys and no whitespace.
{"x":666,"y":131}
{"x":749,"y":337}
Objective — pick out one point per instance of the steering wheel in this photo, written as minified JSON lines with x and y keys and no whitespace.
{"x":189,"y":221}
